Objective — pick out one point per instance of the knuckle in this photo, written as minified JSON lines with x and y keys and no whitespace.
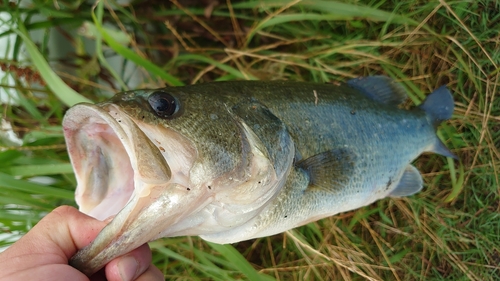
{"x":63,"y":211}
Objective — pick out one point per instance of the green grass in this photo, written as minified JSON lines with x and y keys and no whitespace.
{"x":450,"y":231}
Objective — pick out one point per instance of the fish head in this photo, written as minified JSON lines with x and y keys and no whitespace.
{"x":153,"y":159}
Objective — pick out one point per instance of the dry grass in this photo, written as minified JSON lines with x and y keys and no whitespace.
{"x":450,"y":231}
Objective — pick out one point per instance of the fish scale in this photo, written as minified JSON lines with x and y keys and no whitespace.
{"x":232,"y":161}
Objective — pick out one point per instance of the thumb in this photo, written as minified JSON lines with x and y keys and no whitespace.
{"x":50,"y":243}
{"x":45,"y":250}
{"x":60,"y":234}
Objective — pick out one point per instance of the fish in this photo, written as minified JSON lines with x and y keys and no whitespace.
{"x":237,"y":160}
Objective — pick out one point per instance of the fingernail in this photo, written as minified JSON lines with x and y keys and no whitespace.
{"x":127,"y":267}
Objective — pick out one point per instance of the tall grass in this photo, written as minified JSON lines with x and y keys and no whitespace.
{"x":450,"y":231}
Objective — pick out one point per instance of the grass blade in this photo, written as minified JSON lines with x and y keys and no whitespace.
{"x":39,"y":170}
{"x":67,"y":95}
{"x":132,"y":56}
{"x":9,"y":182}
{"x":199,"y":58}
{"x":235,"y":258}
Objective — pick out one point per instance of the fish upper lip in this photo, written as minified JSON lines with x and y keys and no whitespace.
{"x":114,"y":142}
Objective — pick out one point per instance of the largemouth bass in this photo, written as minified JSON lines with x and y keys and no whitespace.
{"x":231,"y":161}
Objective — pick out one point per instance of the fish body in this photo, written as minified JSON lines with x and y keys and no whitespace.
{"x":231,"y":161}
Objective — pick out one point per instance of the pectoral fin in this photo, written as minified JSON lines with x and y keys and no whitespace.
{"x":329,"y":170}
{"x":411,"y":182}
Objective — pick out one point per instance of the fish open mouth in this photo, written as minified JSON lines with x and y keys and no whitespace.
{"x":145,"y":175}
{"x":107,"y":150}
{"x":122,"y":172}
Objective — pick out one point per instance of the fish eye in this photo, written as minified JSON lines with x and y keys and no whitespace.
{"x":163,"y":104}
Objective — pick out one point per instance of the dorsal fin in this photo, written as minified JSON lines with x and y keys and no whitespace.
{"x":330,"y":169}
{"x":410,"y":183}
{"x":380,"y":88}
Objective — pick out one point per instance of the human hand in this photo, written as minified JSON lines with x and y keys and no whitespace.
{"x":43,"y":253}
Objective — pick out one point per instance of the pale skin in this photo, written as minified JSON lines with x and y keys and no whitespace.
{"x":43,"y":253}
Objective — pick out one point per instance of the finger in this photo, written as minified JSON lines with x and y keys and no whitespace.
{"x":59,"y":272}
{"x":151,"y":274}
{"x":58,"y":235}
{"x":82,"y":229}
{"x":129,"y":266}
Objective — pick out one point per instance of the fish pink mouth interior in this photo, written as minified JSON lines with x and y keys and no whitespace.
{"x":104,"y":167}
{"x":111,"y":178}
